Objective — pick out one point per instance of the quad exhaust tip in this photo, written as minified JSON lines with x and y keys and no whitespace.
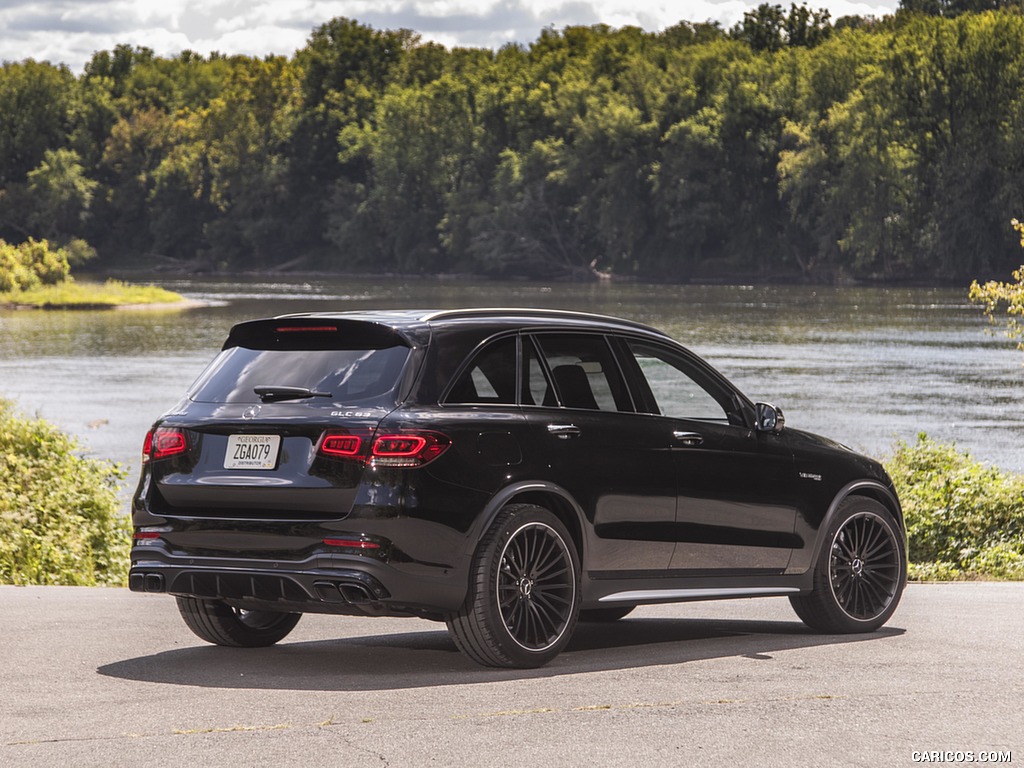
{"x":146,"y":582}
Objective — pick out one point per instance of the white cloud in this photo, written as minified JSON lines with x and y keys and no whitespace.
{"x":70,"y":31}
{"x":254,"y":41}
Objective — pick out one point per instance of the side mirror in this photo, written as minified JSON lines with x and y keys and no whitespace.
{"x":769,"y":418}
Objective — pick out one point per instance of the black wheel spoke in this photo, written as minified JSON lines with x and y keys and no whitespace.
{"x":535,"y":586}
{"x":872,"y":592}
{"x":555,"y":577}
{"x":865,"y":566}
{"x":879,"y":548}
{"x":845,"y":550}
{"x":545,"y":620}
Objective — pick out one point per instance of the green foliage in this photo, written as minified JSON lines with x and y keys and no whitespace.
{"x":32,"y":264}
{"x":769,"y":28}
{"x":61,"y":194}
{"x":995,"y":295}
{"x":59,"y":517}
{"x":787,"y":147}
{"x":965,"y":519}
{"x":74,"y":295}
{"x":953,"y":8}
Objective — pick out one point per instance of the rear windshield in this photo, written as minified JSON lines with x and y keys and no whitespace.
{"x":350,"y":375}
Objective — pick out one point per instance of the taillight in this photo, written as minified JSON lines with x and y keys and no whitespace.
{"x":399,"y":449}
{"x":408,"y":449}
{"x":163,"y":442}
{"x":345,"y":446}
{"x":352,"y":444}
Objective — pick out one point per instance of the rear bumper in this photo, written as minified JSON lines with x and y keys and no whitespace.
{"x":351,"y":585}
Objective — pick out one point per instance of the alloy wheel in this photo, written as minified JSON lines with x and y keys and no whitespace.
{"x":535,"y":586}
{"x":864,"y":567}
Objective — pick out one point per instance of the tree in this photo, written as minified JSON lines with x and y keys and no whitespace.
{"x":769,"y":28}
{"x":420,"y":148}
{"x":343,"y":71}
{"x":995,"y":296}
{"x":244,"y":137}
{"x":35,"y":103}
{"x":135,"y":148}
{"x":61,"y":195}
{"x":953,"y":8}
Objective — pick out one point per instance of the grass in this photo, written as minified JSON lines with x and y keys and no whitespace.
{"x":75,"y":295}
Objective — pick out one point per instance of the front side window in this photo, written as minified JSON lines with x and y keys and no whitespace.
{"x":673,"y":388}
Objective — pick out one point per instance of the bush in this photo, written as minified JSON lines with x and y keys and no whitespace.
{"x":965,"y":519}
{"x":59,"y":512}
{"x":34,"y":263}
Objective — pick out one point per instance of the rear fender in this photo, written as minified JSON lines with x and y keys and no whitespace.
{"x":545,"y":494}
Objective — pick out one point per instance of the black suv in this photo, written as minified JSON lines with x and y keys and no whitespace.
{"x":508,"y":472}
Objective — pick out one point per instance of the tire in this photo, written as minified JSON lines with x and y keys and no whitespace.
{"x":220,"y":624}
{"x":860,"y":572}
{"x":605,"y":615}
{"x":523,"y":600}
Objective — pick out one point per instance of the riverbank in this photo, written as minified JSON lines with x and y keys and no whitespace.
{"x":191,"y":271}
{"x":112,"y":294}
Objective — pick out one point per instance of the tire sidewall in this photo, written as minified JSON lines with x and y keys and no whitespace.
{"x":849,"y":509}
{"x":509,"y":525}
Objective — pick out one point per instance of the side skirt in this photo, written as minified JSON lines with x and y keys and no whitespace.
{"x":677,"y":589}
{"x":638,"y":596}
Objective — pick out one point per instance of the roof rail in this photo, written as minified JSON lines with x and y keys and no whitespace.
{"x":442,"y":314}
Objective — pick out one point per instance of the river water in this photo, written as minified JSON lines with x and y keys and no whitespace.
{"x":865,"y":366}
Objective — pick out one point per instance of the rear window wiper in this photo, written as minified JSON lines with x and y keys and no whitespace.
{"x":270,"y":393}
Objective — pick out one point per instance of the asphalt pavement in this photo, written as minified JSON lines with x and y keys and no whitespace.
{"x":105,"y":677}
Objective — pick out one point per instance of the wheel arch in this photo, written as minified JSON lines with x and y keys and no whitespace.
{"x":541,"y":493}
{"x":868,"y":489}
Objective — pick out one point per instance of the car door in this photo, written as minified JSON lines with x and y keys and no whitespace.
{"x":592,"y":443}
{"x":735,"y":509}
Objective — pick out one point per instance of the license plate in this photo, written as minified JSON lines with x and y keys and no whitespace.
{"x":252,"y":451}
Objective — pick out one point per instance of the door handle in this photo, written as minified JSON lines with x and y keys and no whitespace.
{"x":563,"y":431}
{"x":688,"y":438}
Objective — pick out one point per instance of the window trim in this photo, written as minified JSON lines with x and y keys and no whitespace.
{"x":735,"y":406}
{"x":537,"y":335}
{"x":466,"y":365}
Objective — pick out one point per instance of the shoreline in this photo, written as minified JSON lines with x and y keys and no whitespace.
{"x":724,"y":279}
{"x":96,"y":307}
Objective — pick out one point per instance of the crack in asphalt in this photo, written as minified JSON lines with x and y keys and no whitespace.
{"x":185,"y":732}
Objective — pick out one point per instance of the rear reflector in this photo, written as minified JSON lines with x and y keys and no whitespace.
{"x":141,"y":535}
{"x":352,"y":543}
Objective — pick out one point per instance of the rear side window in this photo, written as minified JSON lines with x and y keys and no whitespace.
{"x":490,"y":377}
{"x":351,"y":376}
{"x":585,"y":373}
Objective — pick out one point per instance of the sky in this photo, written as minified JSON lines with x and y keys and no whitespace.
{"x":70,"y":31}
